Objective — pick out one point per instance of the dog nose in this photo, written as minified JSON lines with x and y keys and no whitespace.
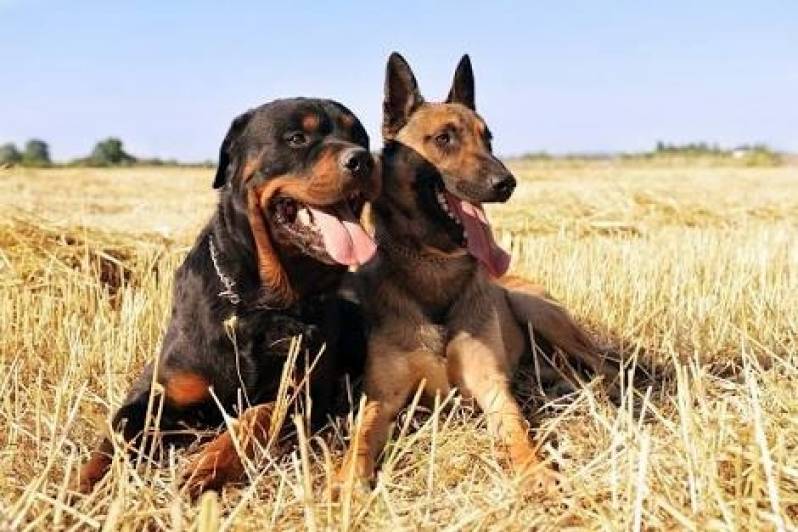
{"x":356,"y":161}
{"x":503,"y":186}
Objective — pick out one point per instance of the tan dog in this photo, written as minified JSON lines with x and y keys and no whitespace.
{"x":436,"y":316}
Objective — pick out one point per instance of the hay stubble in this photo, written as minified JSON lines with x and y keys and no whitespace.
{"x":694,"y":270}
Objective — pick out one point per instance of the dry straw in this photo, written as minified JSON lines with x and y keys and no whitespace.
{"x":690,"y":271}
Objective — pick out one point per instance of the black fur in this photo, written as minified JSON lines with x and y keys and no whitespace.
{"x":198,"y":340}
{"x":462,"y":90}
{"x":402,"y":96}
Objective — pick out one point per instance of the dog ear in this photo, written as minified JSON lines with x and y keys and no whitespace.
{"x":401,"y":95}
{"x":226,"y":168}
{"x":462,"y":90}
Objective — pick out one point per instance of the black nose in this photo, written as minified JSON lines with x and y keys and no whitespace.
{"x":503,"y":186}
{"x":356,"y":161}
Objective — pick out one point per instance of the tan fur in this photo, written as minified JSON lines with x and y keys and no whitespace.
{"x":437,"y":319}
{"x":476,"y":349}
{"x":432,"y":118}
{"x":219,"y":461}
{"x":310,"y":123}
{"x":187,"y":388}
{"x":271,"y":271}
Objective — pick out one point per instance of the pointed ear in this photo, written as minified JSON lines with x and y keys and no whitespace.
{"x":462,"y":90}
{"x":401,"y":95}
{"x":227,"y":167}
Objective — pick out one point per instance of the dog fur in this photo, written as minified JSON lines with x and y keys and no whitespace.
{"x":437,"y":319}
{"x":259,"y":272}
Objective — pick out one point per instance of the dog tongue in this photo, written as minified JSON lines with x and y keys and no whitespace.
{"x":479,"y":234}
{"x":344,"y":238}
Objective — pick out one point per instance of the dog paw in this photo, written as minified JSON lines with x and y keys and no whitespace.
{"x":211,"y":470}
{"x":90,"y":474}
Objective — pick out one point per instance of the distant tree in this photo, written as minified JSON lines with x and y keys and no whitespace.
{"x":9,"y":155}
{"x":110,"y":152}
{"x":36,"y":153}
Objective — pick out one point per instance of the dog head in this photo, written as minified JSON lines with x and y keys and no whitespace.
{"x":442,"y":166}
{"x":300,"y":171}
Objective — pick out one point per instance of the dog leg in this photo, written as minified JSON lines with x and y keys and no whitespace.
{"x":479,"y":372}
{"x":391,"y":377}
{"x":95,"y":469}
{"x":532,"y":306}
{"x":219,"y":462}
{"x":130,"y":419}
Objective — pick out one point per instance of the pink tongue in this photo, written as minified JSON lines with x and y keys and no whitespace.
{"x":480,"y":237}
{"x":344,"y":238}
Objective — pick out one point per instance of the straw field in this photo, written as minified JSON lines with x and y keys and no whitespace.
{"x":688,"y":269}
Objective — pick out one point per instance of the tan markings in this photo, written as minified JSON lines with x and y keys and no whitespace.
{"x":471,"y":151}
{"x":310,"y":123}
{"x":186,"y":388}
{"x":219,"y":462}
{"x":346,"y":121}
{"x":325,"y":185}
{"x":250,"y":168}
{"x":392,"y":377}
{"x":328,"y":179}
{"x":95,"y":469}
{"x":478,"y":372}
{"x":273,"y":276}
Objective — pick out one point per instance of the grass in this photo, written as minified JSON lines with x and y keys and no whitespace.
{"x":690,"y":269}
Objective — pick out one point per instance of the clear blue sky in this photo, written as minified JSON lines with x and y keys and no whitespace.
{"x":167,"y":77}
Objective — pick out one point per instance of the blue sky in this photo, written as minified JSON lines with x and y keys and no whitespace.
{"x":167,"y":77}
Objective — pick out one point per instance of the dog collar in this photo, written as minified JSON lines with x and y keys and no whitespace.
{"x":229,"y":293}
{"x":228,"y":283}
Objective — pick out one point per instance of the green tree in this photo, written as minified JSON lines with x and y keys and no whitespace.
{"x":110,"y":152}
{"x":36,"y":153}
{"x":9,"y":155}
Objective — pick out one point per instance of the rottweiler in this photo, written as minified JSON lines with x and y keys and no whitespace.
{"x":437,"y":312}
{"x":293,"y":176}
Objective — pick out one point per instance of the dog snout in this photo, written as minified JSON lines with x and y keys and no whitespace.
{"x":356,"y":161}
{"x":502,"y":186}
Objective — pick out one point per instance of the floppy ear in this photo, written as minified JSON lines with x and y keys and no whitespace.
{"x":401,"y":95}
{"x":226,"y":167}
{"x":462,"y":90}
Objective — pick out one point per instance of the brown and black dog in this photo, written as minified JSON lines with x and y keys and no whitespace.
{"x":436,"y":317}
{"x":293,"y":176}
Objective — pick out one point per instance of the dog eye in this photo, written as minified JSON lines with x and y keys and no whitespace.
{"x":297,"y":140}
{"x":443,"y":139}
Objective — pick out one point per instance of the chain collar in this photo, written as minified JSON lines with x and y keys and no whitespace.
{"x":229,"y":284}
{"x":229,"y":293}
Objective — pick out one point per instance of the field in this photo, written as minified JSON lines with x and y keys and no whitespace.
{"x":690,"y":269}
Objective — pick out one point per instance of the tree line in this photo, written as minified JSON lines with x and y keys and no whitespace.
{"x":107,"y":152}
{"x":750,"y":154}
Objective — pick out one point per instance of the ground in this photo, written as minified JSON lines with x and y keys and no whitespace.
{"x":690,"y":268}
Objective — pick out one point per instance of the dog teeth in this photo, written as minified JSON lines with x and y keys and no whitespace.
{"x":304,"y":216}
{"x":445,"y":208}
{"x":442,"y":202}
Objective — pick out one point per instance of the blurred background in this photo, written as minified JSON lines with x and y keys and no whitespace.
{"x":166,"y":78}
